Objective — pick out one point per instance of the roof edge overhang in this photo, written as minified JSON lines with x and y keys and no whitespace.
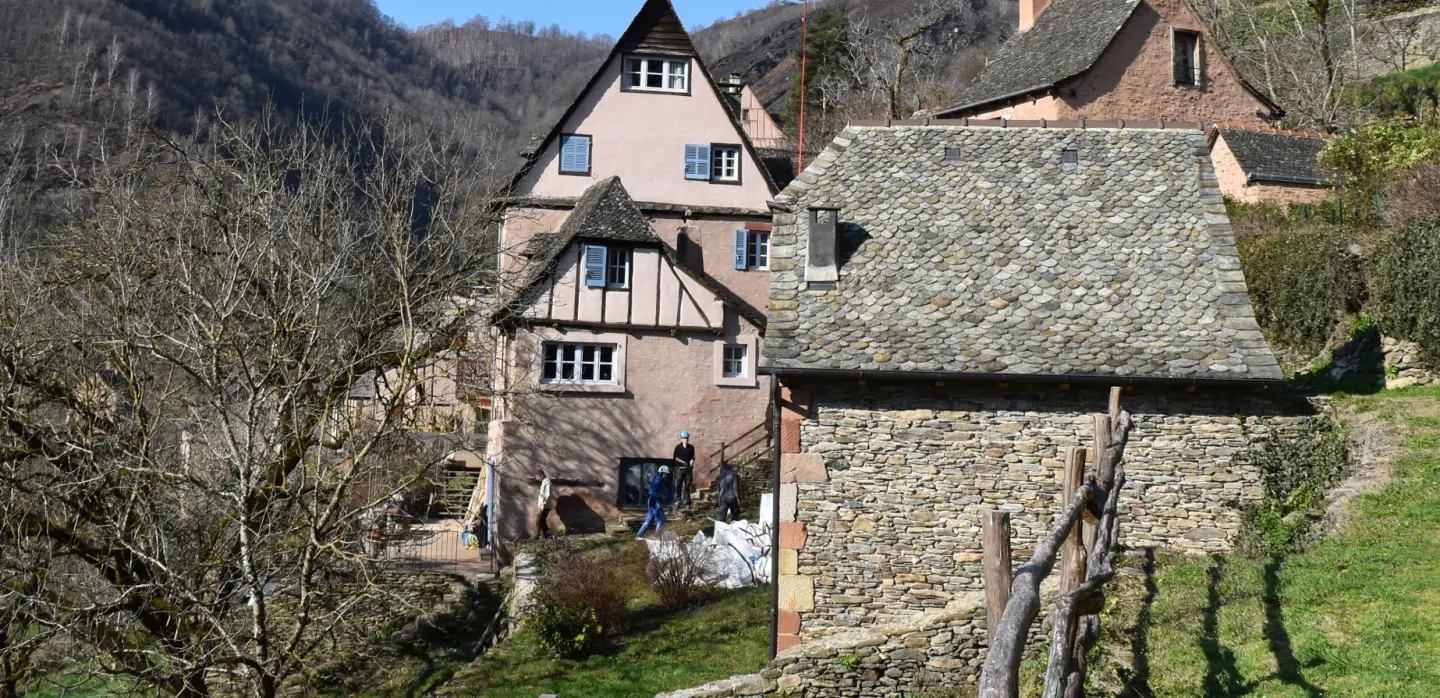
{"x":968,"y":377}
{"x":1034,"y":92}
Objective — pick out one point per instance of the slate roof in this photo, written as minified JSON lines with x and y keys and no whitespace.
{"x":1009,"y":263}
{"x":1268,"y":155}
{"x":1066,"y":41}
{"x":604,"y":212}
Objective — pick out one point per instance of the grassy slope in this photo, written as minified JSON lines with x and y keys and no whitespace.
{"x":727,"y":636}
{"x":1357,"y":615}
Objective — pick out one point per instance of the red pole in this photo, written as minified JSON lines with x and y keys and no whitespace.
{"x":804,"y":54}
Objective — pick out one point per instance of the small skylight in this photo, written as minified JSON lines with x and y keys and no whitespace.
{"x":953,"y":155}
{"x":1070,"y":157}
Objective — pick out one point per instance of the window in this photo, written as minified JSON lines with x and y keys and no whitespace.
{"x":606,"y":267}
{"x":635,"y":477}
{"x":1070,"y":157}
{"x":734,"y":361}
{"x":752,"y":249}
{"x":1185,"y":52}
{"x":617,"y":269}
{"x":745,"y":115}
{"x":953,"y":155}
{"x":657,"y":74}
{"x":697,"y":162}
{"x":583,"y":364}
{"x":574,"y":154}
{"x":725,"y":163}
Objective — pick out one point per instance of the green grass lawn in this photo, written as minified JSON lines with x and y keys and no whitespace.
{"x":726,"y":636}
{"x":1355,"y":615}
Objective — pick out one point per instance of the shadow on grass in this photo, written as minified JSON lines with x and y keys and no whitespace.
{"x":1136,"y":680}
{"x":1278,"y":637}
{"x":1222,"y":676}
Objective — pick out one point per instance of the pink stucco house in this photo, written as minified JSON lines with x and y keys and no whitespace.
{"x":638,"y":237}
{"x":1130,"y":60}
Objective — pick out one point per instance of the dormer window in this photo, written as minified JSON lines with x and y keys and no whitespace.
{"x":646,"y":74}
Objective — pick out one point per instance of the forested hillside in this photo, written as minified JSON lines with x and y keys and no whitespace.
{"x":868,"y":58}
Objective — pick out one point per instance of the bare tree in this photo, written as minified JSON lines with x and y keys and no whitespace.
{"x":1303,"y":53}
{"x":183,"y":484}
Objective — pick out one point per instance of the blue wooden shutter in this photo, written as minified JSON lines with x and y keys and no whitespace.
{"x":742,"y":244}
{"x":595,"y":266}
{"x":697,"y":162}
{"x":575,"y":154}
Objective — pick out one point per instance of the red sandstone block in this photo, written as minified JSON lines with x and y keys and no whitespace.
{"x":789,"y":623}
{"x":792,"y":535}
{"x":785,"y":642}
{"x":789,"y":435}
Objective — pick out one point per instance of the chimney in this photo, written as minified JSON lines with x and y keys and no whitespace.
{"x":820,"y":267}
{"x":734,"y":84}
{"x":1030,"y":11}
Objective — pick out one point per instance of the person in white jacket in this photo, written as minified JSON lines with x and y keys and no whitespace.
{"x":543,"y":504}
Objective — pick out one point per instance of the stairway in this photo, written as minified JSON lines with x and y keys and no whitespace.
{"x":456,"y":488}
{"x":756,"y":478}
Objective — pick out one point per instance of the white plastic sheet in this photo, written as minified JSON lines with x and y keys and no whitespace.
{"x":739,"y":553}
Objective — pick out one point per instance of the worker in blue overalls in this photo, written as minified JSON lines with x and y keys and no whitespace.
{"x":659,"y":497}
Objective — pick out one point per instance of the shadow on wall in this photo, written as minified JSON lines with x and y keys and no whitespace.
{"x":581,"y":513}
{"x":563,"y":434}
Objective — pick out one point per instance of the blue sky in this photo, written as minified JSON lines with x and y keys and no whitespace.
{"x":590,"y":16}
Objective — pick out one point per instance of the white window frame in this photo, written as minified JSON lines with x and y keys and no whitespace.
{"x":577,"y":357}
{"x":674,"y":73}
{"x":725,"y":163}
{"x":1196,"y":71}
{"x":747,"y":376}
{"x":757,"y":250}
{"x":617,"y":265}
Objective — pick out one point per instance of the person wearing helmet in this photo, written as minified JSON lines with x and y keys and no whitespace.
{"x":659,"y":497}
{"x":684,"y":458}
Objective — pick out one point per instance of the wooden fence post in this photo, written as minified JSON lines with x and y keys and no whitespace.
{"x":1072,"y":560}
{"x":998,"y":573}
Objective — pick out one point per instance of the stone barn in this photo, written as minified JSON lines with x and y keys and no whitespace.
{"x":948,"y":306}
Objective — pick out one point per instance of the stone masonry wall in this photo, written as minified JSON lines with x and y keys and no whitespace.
{"x":887,"y":489}
{"x":937,"y":649}
{"x":1403,"y":367}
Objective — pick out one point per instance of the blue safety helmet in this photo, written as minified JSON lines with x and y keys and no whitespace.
{"x":684,"y":434}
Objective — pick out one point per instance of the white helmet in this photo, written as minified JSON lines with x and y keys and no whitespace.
{"x":664,"y":470}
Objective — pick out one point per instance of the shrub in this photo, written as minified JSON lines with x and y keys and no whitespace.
{"x":1406,"y":283}
{"x":1414,"y":197}
{"x":1296,"y":471}
{"x":1368,"y":157}
{"x":565,"y":631}
{"x":1302,"y":282}
{"x":595,"y":581}
{"x":679,"y":577}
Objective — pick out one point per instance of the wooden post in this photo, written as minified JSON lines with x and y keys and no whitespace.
{"x":1072,"y":561}
{"x":999,"y":575}
{"x":1115,"y":404}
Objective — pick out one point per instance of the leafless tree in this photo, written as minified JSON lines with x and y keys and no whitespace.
{"x":183,"y":487}
{"x":1303,"y":53}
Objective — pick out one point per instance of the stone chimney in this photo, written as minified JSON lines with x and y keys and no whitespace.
{"x":820,"y":263}
{"x":733,"y":85}
{"x":1030,"y":11}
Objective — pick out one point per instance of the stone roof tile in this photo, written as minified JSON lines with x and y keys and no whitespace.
{"x":1008,"y":261}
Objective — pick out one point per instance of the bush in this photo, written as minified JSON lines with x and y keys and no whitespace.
{"x":1406,"y":284}
{"x":1302,"y":282}
{"x":679,"y":579}
{"x":566,"y":631}
{"x":1370,"y":156}
{"x":596,"y":581}
{"x":1296,"y":471}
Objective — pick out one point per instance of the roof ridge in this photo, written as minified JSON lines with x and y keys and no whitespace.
{"x":1127,"y":124}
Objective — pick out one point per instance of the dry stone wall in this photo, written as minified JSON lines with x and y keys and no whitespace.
{"x":891,"y":526}
{"x":1403,"y":366}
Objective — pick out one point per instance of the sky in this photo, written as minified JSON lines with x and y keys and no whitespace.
{"x":590,"y":16}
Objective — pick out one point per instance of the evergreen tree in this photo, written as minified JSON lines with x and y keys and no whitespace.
{"x":829,"y":29}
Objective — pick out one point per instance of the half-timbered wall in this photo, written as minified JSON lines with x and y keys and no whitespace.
{"x":660,"y":295}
